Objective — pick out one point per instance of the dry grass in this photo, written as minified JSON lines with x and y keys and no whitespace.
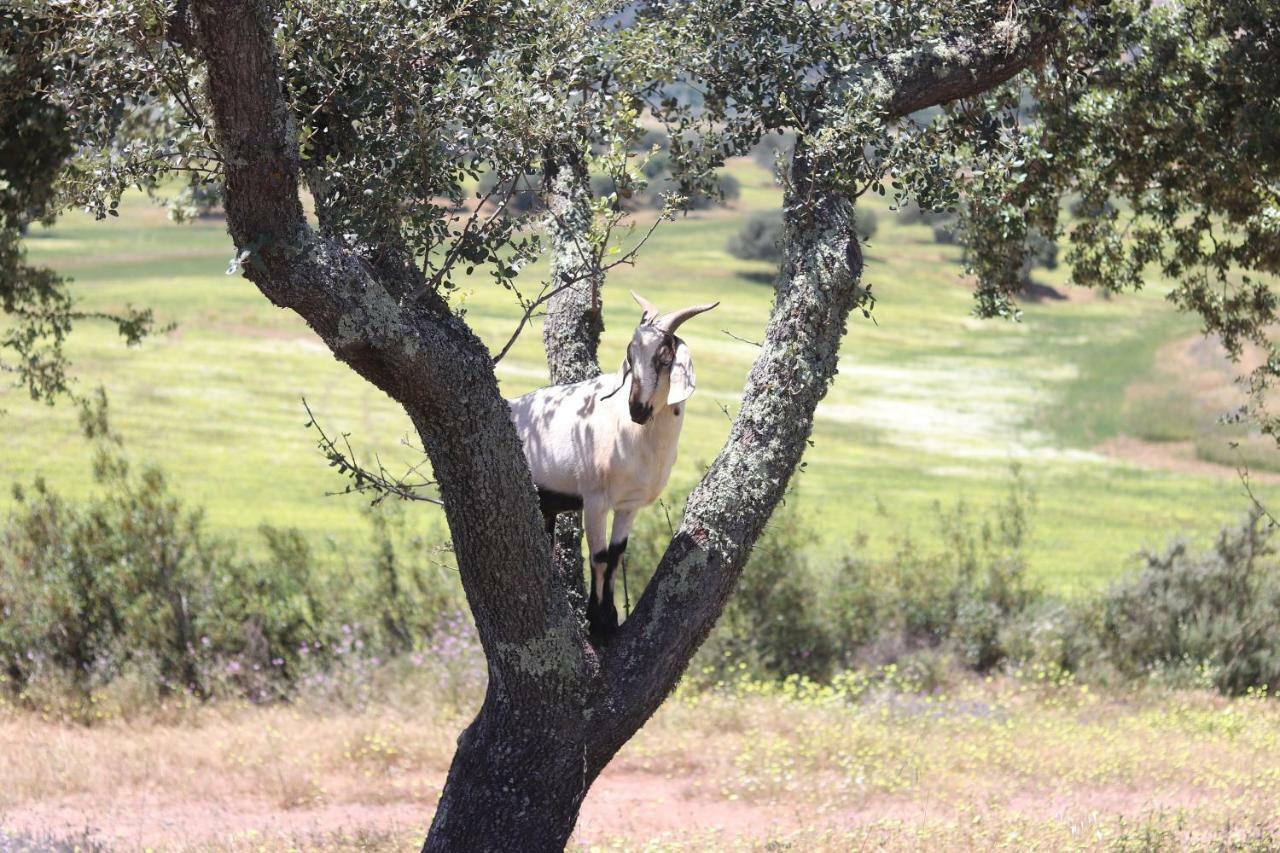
{"x":1014,"y":763}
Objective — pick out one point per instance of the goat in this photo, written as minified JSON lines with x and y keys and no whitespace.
{"x":590,"y":449}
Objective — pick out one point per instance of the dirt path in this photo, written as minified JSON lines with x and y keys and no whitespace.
{"x":624,"y":809}
{"x":1177,"y":456}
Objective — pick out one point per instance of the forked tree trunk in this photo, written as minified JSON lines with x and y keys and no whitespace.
{"x":556,"y":709}
{"x":518,"y":785}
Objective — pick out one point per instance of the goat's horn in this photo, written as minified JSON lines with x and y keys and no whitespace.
{"x":650,"y":312}
{"x":671,"y":322}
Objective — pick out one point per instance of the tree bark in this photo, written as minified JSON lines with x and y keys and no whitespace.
{"x":511,"y":786}
{"x":574,"y":320}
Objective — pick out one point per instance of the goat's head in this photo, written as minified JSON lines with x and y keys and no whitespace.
{"x":658,"y":362}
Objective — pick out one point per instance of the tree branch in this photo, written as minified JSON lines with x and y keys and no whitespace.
{"x":726,"y":513}
{"x":958,"y":65}
{"x":416,"y":351}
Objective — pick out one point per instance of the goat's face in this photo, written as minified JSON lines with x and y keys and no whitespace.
{"x":659,"y":363}
{"x":650,"y":356}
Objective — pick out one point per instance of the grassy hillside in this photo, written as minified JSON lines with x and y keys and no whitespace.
{"x":931,"y":405}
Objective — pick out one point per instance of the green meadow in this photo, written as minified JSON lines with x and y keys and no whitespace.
{"x":931,"y":406}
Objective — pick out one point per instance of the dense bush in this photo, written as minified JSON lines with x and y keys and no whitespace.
{"x":959,"y":594}
{"x":772,"y":148}
{"x":129,"y":585}
{"x":130,"y":582}
{"x":523,"y":197}
{"x":759,"y":239}
{"x":866,"y":224}
{"x":1214,"y":614}
{"x":662,"y":185}
{"x":196,"y":200}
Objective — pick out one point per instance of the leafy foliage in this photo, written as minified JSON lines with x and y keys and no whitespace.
{"x":33,"y":147}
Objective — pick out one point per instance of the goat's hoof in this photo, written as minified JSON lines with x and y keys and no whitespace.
{"x":601,"y":635}
{"x":602,"y":624}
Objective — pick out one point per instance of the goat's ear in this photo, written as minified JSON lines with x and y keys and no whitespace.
{"x":682,"y":381}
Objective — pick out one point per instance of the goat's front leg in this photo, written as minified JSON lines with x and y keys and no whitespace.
{"x":622,"y":521}
{"x":602,"y":615}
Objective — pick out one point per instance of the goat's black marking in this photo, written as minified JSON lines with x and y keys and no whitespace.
{"x":610,"y":556}
{"x":675,"y":410}
{"x":553,"y":503}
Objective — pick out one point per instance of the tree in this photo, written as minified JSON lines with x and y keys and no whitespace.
{"x":33,"y":147}
{"x":386,"y":112}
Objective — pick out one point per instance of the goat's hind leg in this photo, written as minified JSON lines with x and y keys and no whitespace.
{"x":553,"y":503}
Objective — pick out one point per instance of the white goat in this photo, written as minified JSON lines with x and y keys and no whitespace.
{"x":592,"y":449}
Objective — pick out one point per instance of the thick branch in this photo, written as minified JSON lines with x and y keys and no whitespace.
{"x":574,"y":322}
{"x":959,"y":66}
{"x":414,"y":350}
{"x":817,"y":288}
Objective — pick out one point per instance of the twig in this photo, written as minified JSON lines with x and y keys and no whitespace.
{"x":451,"y":257}
{"x":1242,"y":470}
{"x":596,"y":269}
{"x":744,"y":340}
{"x":364,"y":480}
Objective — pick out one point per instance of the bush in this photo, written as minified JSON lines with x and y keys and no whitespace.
{"x":198,"y":200}
{"x":774,"y":622}
{"x":131,"y":583}
{"x":960,"y":596}
{"x":525,"y":198}
{"x":759,"y":239}
{"x":1216,"y":612}
{"x":728,"y":187}
{"x":658,"y":164}
{"x":651,"y":138}
{"x":773,"y":147}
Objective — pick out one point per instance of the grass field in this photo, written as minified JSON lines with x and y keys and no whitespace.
{"x":931,"y":405}
{"x":1013,"y":763}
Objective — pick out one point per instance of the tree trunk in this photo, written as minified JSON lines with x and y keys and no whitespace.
{"x":574,"y":322}
{"x":513,"y":786}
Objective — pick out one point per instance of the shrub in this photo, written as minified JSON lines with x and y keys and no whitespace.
{"x":1217,"y":611}
{"x":773,"y":147}
{"x":658,"y":164}
{"x":774,"y":621}
{"x":961,"y":595}
{"x":131,"y":583}
{"x":728,"y":187}
{"x":759,"y":239}
{"x":651,"y":138}
{"x":524,"y":198}
{"x":196,"y":200}
{"x":913,"y":214}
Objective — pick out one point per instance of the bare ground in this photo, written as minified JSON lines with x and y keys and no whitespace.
{"x":1010,"y":764}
